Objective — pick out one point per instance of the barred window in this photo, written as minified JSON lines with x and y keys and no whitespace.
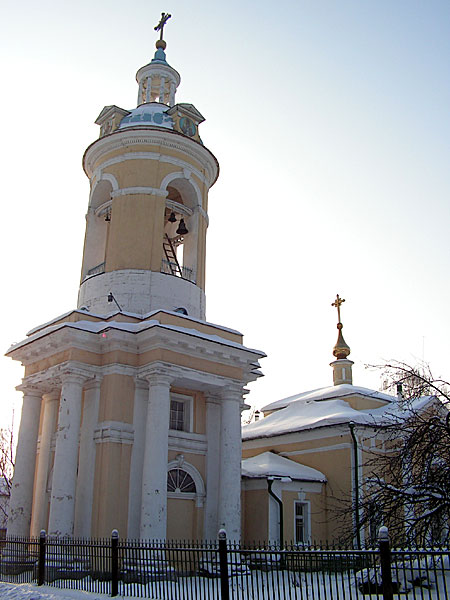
{"x":180,"y":481}
{"x":301,"y":509}
{"x":177,"y":415}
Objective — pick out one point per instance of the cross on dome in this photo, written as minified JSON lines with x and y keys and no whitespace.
{"x":337,"y":303}
{"x":160,"y":27}
{"x":341,"y":349}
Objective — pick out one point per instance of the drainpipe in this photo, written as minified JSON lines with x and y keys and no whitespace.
{"x":270,"y":481}
{"x":351,"y":426}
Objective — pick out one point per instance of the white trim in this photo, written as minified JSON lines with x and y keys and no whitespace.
{"x":166,"y":140}
{"x":139,"y":190}
{"x":103,"y":208}
{"x":148,"y":156}
{"x":114,"y":431}
{"x":178,"y":207}
{"x":308,"y":487}
{"x":292,"y":437}
{"x":343,"y":446}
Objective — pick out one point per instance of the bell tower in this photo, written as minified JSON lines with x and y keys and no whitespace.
{"x":146,"y":224}
{"x":132,"y":401}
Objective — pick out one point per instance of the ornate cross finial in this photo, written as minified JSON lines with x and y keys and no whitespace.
{"x":160,"y":27}
{"x":337,"y":303}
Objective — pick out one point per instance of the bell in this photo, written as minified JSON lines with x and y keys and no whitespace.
{"x":182,"y":228}
{"x":172,"y":217}
{"x":108,"y":216}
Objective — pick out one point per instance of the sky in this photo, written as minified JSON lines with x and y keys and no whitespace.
{"x":331,"y":125}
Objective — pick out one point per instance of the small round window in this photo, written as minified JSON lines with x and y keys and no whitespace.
{"x":181,"y":482}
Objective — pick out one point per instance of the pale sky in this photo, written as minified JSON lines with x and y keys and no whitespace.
{"x":330,"y":121}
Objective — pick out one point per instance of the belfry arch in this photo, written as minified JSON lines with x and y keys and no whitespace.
{"x":97,"y":227}
{"x":181,"y":227}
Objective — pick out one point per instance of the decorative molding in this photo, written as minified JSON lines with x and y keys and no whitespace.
{"x":139,"y":190}
{"x":165,"y":139}
{"x":148,"y":156}
{"x":114,"y":432}
{"x":183,"y":441}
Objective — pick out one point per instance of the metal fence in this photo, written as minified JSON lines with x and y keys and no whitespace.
{"x":184,"y":571}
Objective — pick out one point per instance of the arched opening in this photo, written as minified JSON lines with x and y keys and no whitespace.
{"x":97,"y":230}
{"x":181,"y":230}
{"x":185,"y":497}
{"x":179,"y":481}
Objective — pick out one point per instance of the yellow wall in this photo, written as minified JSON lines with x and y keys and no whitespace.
{"x":112,"y":471}
{"x":116,"y":399}
{"x":255,"y":511}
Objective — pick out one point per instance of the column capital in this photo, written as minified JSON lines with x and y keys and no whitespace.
{"x":73,"y":377}
{"x":52,"y":395}
{"x":157,"y":375}
{"x":140,"y":383}
{"x":233,"y":391}
{"x":30,"y":390}
{"x":212,"y":397}
{"x":92,"y":384}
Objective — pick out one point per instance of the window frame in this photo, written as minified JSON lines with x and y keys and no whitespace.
{"x":188,"y":417}
{"x":306,"y":521}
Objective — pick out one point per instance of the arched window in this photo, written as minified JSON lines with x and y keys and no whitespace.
{"x":180,"y":481}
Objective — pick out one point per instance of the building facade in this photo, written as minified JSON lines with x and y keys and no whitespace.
{"x":132,"y":401}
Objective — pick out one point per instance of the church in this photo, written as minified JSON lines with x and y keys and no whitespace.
{"x":132,"y":402}
{"x":309,"y":462}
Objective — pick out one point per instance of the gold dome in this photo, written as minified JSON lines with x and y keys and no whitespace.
{"x":341,"y":348}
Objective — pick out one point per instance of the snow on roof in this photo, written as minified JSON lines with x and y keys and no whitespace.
{"x":129,"y":314}
{"x":303,"y":415}
{"x":99,"y":326}
{"x":332,"y":391}
{"x":269,"y":464}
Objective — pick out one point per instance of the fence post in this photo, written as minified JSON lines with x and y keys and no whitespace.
{"x":385,"y":563}
{"x":41,"y":561}
{"x":114,"y":562}
{"x":223,"y":563}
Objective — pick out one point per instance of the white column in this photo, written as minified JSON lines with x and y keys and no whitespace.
{"x":149,"y":89}
{"x":162,"y":88}
{"x":212,"y":461}
{"x":86,"y":461}
{"x":154,"y":477}
{"x":172,"y":93}
{"x":39,"y":517}
{"x":140,"y":92}
{"x":230,"y":463}
{"x":62,"y":502}
{"x":137,"y":458}
{"x":22,"y":484}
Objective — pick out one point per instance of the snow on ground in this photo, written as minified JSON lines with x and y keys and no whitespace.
{"x":274,"y":585}
{"x":30,"y":591}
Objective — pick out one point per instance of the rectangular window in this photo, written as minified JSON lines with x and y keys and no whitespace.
{"x":181,"y":413}
{"x":177,"y":415}
{"x":301,"y":515}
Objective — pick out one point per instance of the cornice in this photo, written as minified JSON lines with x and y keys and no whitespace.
{"x":165,"y":139}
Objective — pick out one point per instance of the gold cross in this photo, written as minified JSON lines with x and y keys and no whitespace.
{"x":337,"y":303}
{"x":160,"y":27}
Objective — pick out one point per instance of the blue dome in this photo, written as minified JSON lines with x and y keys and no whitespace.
{"x":152,"y":113}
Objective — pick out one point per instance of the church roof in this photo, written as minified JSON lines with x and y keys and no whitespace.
{"x":308,"y":414}
{"x":328,"y":393}
{"x":269,"y":464}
